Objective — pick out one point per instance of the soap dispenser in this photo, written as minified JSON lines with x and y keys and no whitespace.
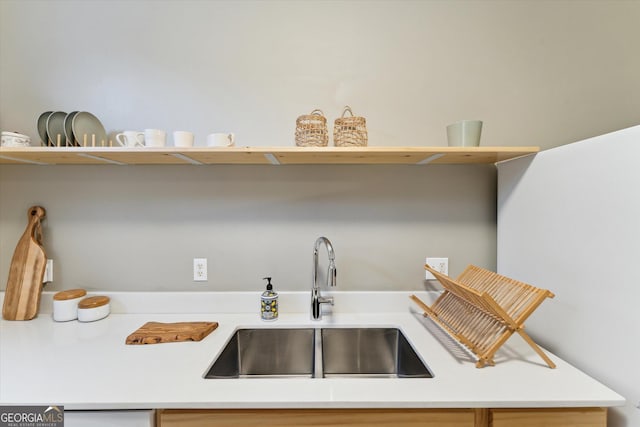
{"x":269,"y":302}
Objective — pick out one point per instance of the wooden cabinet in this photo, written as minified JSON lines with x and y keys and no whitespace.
{"x":550,"y":417}
{"x":120,"y":418}
{"x":316,"y":418}
{"x":533,"y":417}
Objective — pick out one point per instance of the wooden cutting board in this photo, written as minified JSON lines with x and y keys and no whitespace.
{"x":24,"y":286}
{"x":156,"y":332}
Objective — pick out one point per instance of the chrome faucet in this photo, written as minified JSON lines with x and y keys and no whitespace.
{"x":316,"y":299}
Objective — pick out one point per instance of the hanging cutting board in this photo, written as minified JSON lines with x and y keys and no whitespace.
{"x":24,"y":286}
{"x":156,"y":332}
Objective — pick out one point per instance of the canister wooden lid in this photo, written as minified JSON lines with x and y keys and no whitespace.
{"x":93,"y":302}
{"x":69,"y":294}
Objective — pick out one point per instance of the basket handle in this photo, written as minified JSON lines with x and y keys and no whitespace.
{"x":317,"y":112}
{"x":347,"y":108}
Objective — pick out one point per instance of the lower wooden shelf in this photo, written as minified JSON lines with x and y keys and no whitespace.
{"x":260,"y":155}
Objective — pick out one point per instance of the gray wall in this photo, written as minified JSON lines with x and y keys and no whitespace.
{"x":568,"y":222}
{"x":537,"y":73}
{"x":139,"y":227}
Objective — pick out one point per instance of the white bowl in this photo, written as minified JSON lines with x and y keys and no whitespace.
{"x":13,"y":139}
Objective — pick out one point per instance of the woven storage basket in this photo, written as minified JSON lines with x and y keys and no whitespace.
{"x":311,"y":130}
{"x":350,"y":131}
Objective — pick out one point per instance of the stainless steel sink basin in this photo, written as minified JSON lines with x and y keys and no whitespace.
{"x":322,"y":352}
{"x":370,"y":352}
{"x":266,"y":353}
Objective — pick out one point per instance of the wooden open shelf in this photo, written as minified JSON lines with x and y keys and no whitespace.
{"x":260,"y":155}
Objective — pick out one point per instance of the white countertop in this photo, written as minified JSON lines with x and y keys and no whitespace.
{"x":88,"y":365}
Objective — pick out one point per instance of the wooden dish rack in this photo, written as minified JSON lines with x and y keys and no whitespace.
{"x":482,"y":309}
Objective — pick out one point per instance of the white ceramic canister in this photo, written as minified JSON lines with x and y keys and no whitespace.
{"x":65,"y":304}
{"x":93,"y":308}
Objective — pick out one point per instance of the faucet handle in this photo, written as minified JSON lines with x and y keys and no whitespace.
{"x":325,"y":300}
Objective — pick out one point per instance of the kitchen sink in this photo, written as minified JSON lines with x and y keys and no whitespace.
{"x":370,"y":352}
{"x":317,"y":353}
{"x":266,"y":353}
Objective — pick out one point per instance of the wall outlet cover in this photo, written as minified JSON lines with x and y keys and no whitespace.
{"x":439,"y":264}
{"x":199,"y":269}
{"x":48,"y":272}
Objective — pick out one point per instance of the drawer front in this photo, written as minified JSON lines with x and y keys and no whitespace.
{"x":552,"y":417}
{"x":318,"y":417}
{"x":141,"y":418}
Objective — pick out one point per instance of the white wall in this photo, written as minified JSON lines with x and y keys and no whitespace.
{"x":537,"y":73}
{"x":569,"y":221}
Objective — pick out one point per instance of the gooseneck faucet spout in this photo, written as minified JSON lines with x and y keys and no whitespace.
{"x":316,"y":299}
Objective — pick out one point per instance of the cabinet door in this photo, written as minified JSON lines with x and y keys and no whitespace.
{"x":317,"y":417}
{"x":552,"y":417}
{"x":142,"y":418}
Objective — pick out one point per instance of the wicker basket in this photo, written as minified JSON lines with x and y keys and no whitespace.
{"x":350,"y":131}
{"x":311,"y":130}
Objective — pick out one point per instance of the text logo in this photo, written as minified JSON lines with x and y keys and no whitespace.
{"x":31,"y":416}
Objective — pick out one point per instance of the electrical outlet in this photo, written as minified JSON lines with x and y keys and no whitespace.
{"x":48,"y":272}
{"x":199,"y":269}
{"x":439,"y":264}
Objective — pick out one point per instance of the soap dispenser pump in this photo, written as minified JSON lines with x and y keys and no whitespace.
{"x":269,"y":302}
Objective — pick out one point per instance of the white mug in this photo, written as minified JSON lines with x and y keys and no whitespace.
{"x":221,"y":140}
{"x":155,"y":138}
{"x":183,"y":138}
{"x":130,"y":138}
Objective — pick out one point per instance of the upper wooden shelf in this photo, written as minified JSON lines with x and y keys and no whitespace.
{"x":260,"y":155}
